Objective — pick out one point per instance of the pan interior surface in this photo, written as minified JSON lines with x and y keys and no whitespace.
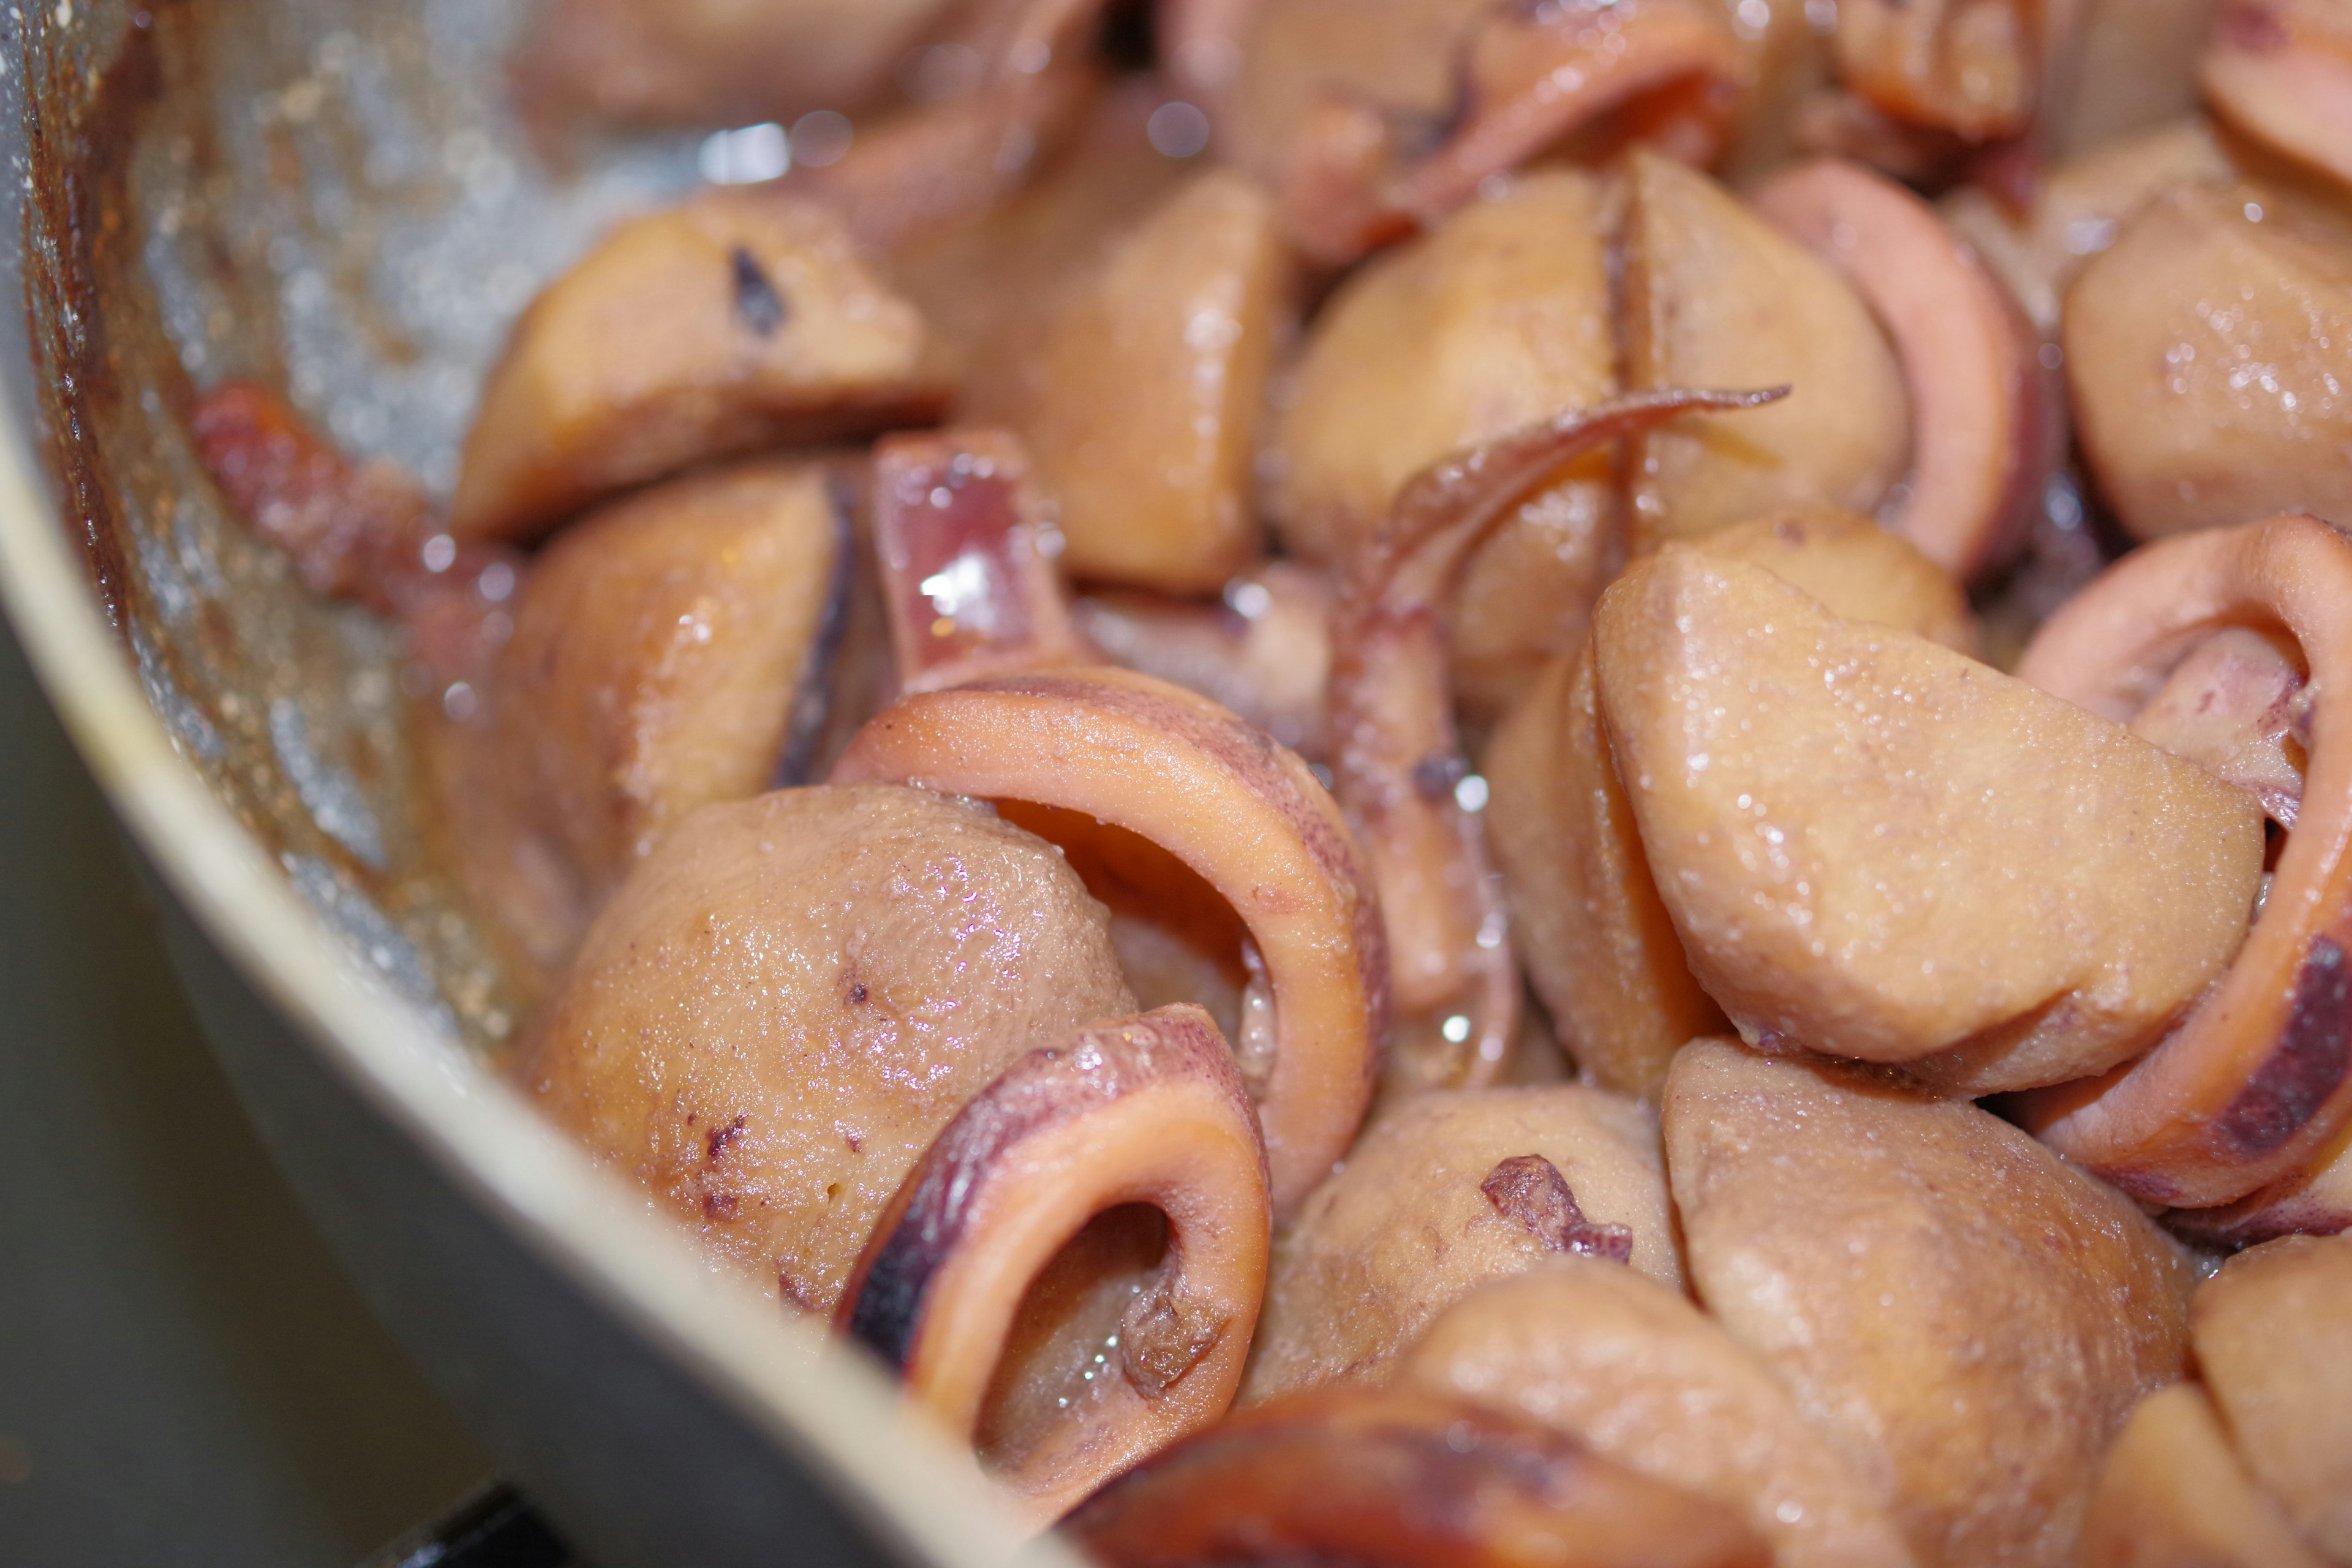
{"x":337,"y":199}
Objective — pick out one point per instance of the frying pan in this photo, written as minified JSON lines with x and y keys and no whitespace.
{"x":334,"y":196}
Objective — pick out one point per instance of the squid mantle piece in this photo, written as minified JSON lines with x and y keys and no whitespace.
{"x":1218,"y":795}
{"x":1397,"y":1480}
{"x":359,"y":531}
{"x":1147,"y":1109}
{"x":809,"y":1025}
{"x":1000,"y":704}
{"x":967,"y":570}
{"x":2257,"y":1081}
{"x":1397,"y":761}
{"x":1986,"y":426}
{"x":2281,"y":70}
{"x":1531,"y":74}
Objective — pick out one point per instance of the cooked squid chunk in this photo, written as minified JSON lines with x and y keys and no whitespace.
{"x":2255,"y":1087}
{"x":1599,"y":945}
{"x":1367,"y":156}
{"x":1397,"y":761}
{"x":1443,"y":1194}
{"x":2240,"y":708}
{"x":1394,"y":1480}
{"x":2316,"y":1201}
{"x":778,"y":1013}
{"x":1970,"y":67}
{"x":1717,"y":297}
{"x":2172,"y":1493}
{"x":1264,"y":652}
{"x":977,"y":1286}
{"x":2273,"y":1337}
{"x":667,"y":652}
{"x":1959,"y":1311}
{"x":719,"y":62}
{"x":1879,"y":848}
{"x":2206,"y":352}
{"x":967,"y":580}
{"x":1142,"y":395}
{"x":1629,"y":1367}
{"x":1225,"y":803}
{"x":734,"y":321}
{"x":2281,"y":70}
{"x":1984,"y":413}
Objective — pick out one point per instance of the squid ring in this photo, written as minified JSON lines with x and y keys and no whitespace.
{"x":2258,"y":1078}
{"x":1983,"y":417}
{"x":1218,"y":795}
{"x":1148,"y":1110}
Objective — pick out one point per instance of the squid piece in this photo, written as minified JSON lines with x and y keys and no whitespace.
{"x":1190,"y":807}
{"x":2205,"y":351}
{"x":1398,"y":762}
{"x":670,"y":651}
{"x":1986,"y":419}
{"x":2256,"y":1082}
{"x":1498,"y":318}
{"x":1785,"y":59}
{"x":1141,"y":397}
{"x":1399,"y":1480}
{"x":2273,"y":1337}
{"x":2172,"y":1494}
{"x":1028,"y":79}
{"x":1446,"y":1192}
{"x":748,"y":321}
{"x":1956,"y":1309}
{"x":2317,"y":1201}
{"x":2240,"y":708}
{"x":1532,"y":76}
{"x":359,"y":531}
{"x":1717,"y":297}
{"x":967,"y":576}
{"x":717,"y":62}
{"x":1798,"y":780}
{"x":1627,"y":1366}
{"x":1264,"y":652}
{"x":1974,"y":68}
{"x":953,"y":1284}
{"x":2281,"y":70}
{"x":1599,"y":945}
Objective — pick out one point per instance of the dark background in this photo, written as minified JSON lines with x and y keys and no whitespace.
{"x":187,"y":1379}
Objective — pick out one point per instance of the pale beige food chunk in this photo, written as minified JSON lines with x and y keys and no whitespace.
{"x":1716,"y":297}
{"x":2078,"y":209}
{"x":2172,"y":1494}
{"x":1877,"y":847}
{"x":1404,"y":1227}
{"x":1141,"y":401}
{"x":1631,"y":1368}
{"x":1498,"y":319}
{"x":1967,"y":1318}
{"x":776,"y":1014}
{"x":1599,"y":945}
{"x":2206,"y":351}
{"x":660,"y":651}
{"x":2273,"y":1335}
{"x":733,"y":321}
